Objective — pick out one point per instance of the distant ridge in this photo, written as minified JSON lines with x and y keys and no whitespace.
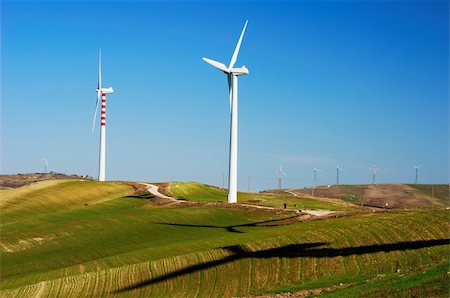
{"x":17,"y":180}
{"x":384,"y":195}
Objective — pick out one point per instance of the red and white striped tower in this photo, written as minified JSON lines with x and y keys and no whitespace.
{"x":101,"y":168}
{"x":101,"y":92}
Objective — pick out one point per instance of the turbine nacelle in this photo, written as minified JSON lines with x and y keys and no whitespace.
{"x":242,"y":71}
{"x":105,"y":90}
{"x":220,"y":66}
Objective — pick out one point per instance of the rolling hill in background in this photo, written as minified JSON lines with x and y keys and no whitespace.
{"x":12,"y":181}
{"x":78,"y":238}
{"x":395,"y":195}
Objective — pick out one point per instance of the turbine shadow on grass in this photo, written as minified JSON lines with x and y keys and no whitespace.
{"x":233,"y":227}
{"x":145,"y":196}
{"x":307,"y":250}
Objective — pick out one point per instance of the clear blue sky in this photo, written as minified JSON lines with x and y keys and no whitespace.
{"x":353,"y":83}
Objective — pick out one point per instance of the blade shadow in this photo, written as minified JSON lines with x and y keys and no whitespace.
{"x":232,"y":228}
{"x":311,"y":250}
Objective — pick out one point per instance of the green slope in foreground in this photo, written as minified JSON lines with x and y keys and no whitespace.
{"x":120,"y":245}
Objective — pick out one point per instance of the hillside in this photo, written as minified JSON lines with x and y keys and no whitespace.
{"x":52,"y":196}
{"x":104,"y":239}
{"x":199,"y":192}
{"x":17,"y":180}
{"x":395,"y":195}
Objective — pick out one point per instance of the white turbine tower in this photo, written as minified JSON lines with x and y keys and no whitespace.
{"x":417,"y":173}
{"x":45,"y":160}
{"x":280,"y":175}
{"x":338,"y":169}
{"x":315,"y":176}
{"x":101,"y":92}
{"x":232,"y":76}
{"x":374,"y":169}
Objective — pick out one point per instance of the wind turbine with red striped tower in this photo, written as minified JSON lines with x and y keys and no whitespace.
{"x":101,"y":92}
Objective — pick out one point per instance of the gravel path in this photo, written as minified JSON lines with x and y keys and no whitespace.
{"x":153,"y":189}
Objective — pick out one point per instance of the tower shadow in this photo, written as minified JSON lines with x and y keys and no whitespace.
{"x":232,"y":228}
{"x":308,"y":250}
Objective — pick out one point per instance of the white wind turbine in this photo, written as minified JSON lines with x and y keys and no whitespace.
{"x":45,"y":160}
{"x":101,"y":92}
{"x":338,"y":169}
{"x":280,"y":175}
{"x":417,"y":173}
{"x":232,"y":76}
{"x":374,"y":169}
{"x":315,"y":176}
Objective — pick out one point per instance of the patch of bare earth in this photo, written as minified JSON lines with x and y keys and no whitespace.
{"x":395,"y":196}
{"x":82,"y":268}
{"x":373,"y":195}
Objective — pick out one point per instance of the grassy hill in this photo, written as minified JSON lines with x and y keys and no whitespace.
{"x":199,"y":192}
{"x":52,"y":196}
{"x":103,"y":239}
{"x":395,"y":195}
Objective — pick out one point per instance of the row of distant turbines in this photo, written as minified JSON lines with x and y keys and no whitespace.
{"x":232,"y":75}
{"x":374,"y":170}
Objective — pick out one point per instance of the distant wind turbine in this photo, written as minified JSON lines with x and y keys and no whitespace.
{"x":280,"y":175}
{"x":315,"y":176}
{"x":374,"y":169}
{"x":232,"y":76}
{"x":338,"y":169}
{"x":101,"y":92}
{"x":45,"y":160}
{"x":417,"y":173}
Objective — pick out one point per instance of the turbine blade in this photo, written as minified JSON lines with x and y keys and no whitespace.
{"x":216,"y":64}
{"x":95,"y":113}
{"x":99,"y":70}
{"x":238,"y":46}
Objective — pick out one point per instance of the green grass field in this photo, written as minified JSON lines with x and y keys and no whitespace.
{"x":206,"y":193}
{"x":74,"y":238}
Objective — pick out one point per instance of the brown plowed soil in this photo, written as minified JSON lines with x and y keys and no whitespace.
{"x":395,"y":196}
{"x":384,"y":195}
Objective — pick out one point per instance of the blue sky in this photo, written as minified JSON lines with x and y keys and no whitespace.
{"x":353,"y":83}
